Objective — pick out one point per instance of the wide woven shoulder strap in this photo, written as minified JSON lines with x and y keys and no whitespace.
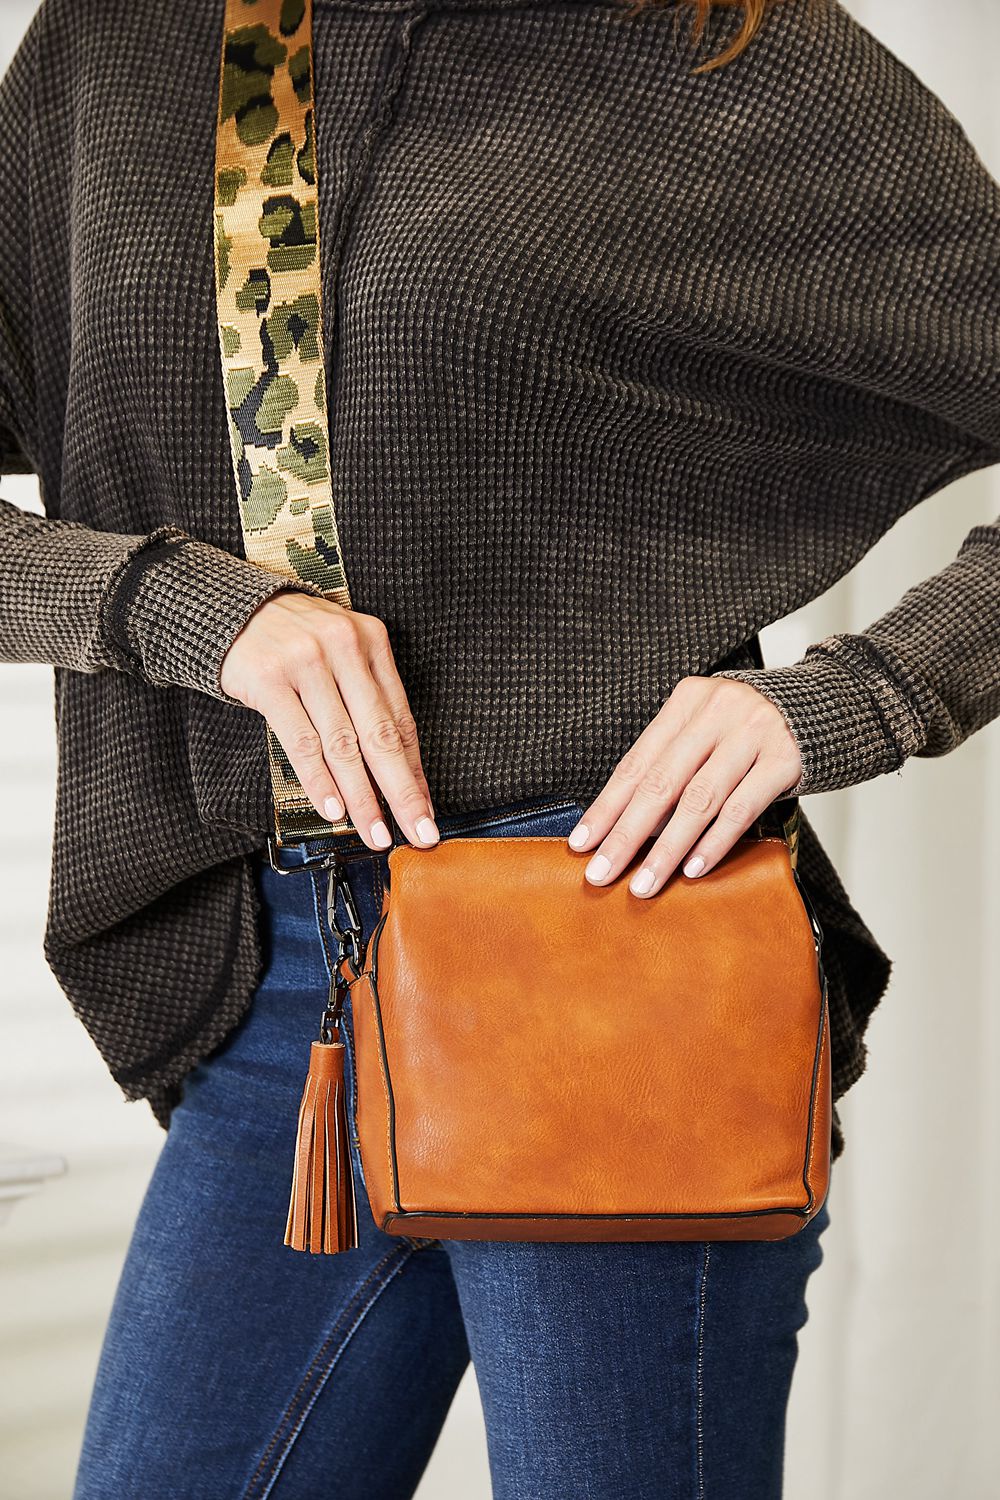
{"x":268,"y":294}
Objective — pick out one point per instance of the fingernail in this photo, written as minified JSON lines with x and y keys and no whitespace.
{"x":642,"y":883}
{"x":598,"y":867}
{"x":427,"y":831}
{"x":694,"y":866}
{"x":381,"y":836}
{"x":579,"y":836}
{"x":333,"y":810}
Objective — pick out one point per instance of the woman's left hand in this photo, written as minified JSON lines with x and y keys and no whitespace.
{"x":716,"y":755}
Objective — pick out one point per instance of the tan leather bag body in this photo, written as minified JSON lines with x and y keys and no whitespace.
{"x":541,"y":1059}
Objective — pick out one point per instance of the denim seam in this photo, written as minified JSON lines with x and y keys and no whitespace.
{"x":699,"y":1419}
{"x":399,"y":1254}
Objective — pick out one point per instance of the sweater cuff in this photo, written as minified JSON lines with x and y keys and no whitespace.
{"x":171,"y":612}
{"x":850,"y":707}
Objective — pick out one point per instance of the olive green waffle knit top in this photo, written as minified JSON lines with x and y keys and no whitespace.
{"x":625,"y":363}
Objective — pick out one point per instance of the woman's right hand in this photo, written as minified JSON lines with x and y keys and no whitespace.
{"x":325,"y":679}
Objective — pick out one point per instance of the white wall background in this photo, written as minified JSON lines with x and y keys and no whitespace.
{"x":898,"y":1387}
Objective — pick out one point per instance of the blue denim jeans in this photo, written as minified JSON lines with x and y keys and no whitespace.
{"x":234,"y":1367}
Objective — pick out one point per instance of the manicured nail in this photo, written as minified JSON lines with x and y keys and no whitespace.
{"x":642,"y":884}
{"x":427,"y":831}
{"x":333,"y":809}
{"x":694,"y":866}
{"x":381,"y":836}
{"x":579,"y":836}
{"x":598,"y":867}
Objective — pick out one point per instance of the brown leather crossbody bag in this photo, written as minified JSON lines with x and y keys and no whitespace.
{"x":537,"y":1058}
{"x":542,"y":1059}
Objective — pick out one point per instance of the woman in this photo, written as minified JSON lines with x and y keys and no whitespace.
{"x":626,"y":359}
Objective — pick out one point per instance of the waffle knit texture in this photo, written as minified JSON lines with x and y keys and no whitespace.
{"x":624,"y":365}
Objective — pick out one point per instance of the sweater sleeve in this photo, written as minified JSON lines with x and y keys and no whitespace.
{"x":926,"y":675}
{"x":918,"y":681}
{"x":163,"y":606}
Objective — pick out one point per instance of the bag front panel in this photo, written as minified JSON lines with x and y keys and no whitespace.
{"x":567,"y":1054}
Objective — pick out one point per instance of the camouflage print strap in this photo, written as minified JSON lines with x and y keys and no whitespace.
{"x":270,"y":322}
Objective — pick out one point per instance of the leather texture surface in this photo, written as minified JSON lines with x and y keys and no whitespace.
{"x":539,"y":1058}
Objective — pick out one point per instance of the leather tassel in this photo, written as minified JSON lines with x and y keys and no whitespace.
{"x":322,"y":1214}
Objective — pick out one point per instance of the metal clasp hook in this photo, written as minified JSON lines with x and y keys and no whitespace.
{"x":348,"y":937}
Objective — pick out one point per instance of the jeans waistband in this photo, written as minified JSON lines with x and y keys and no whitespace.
{"x":349,"y":846}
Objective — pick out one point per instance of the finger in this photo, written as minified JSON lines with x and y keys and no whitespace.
{"x":653,"y":797}
{"x":699,"y":804}
{"x":299,"y":738}
{"x":381,"y":745}
{"x":638,"y":765}
{"x":741,"y":809}
{"x":338,"y":737}
{"x":390,"y":684}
